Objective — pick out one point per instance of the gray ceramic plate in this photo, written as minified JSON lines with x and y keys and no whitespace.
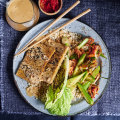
{"x":77,"y":27}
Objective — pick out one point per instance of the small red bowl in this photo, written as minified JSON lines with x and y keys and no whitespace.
{"x":54,"y":13}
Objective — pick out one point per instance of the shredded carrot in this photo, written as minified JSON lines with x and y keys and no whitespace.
{"x":89,"y":49}
{"x":96,"y":50}
{"x":93,"y":90}
{"x":72,"y":64}
{"x":90,"y":41}
{"x":79,"y":52}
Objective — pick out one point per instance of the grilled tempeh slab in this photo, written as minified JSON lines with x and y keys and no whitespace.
{"x":34,"y":63}
{"x":55,"y":62}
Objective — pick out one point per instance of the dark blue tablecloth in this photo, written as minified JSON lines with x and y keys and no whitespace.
{"x":104,"y":18}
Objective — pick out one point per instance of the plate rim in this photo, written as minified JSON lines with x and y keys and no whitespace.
{"x":105,"y":88}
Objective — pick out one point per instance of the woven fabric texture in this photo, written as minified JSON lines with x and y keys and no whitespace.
{"x":104,"y":18}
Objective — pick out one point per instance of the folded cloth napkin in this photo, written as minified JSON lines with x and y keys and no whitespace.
{"x":104,"y":18}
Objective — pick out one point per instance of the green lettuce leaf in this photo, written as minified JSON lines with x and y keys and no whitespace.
{"x":60,"y":92}
{"x":50,"y":97}
{"x":59,"y":102}
{"x":63,"y":104}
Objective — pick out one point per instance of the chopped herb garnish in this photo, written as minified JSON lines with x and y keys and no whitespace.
{"x":74,"y":56}
{"x":93,"y":58}
{"x":104,"y":78}
{"x":102,"y":55}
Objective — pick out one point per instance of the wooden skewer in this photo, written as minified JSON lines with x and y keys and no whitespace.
{"x":37,"y":37}
{"x":54,"y":31}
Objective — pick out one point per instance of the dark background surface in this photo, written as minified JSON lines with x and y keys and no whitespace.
{"x":6,"y":116}
{"x":105,"y":19}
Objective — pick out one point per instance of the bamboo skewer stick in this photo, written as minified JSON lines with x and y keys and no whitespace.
{"x":48,"y":35}
{"x":63,"y":14}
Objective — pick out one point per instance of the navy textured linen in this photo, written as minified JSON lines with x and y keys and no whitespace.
{"x":104,"y":18}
